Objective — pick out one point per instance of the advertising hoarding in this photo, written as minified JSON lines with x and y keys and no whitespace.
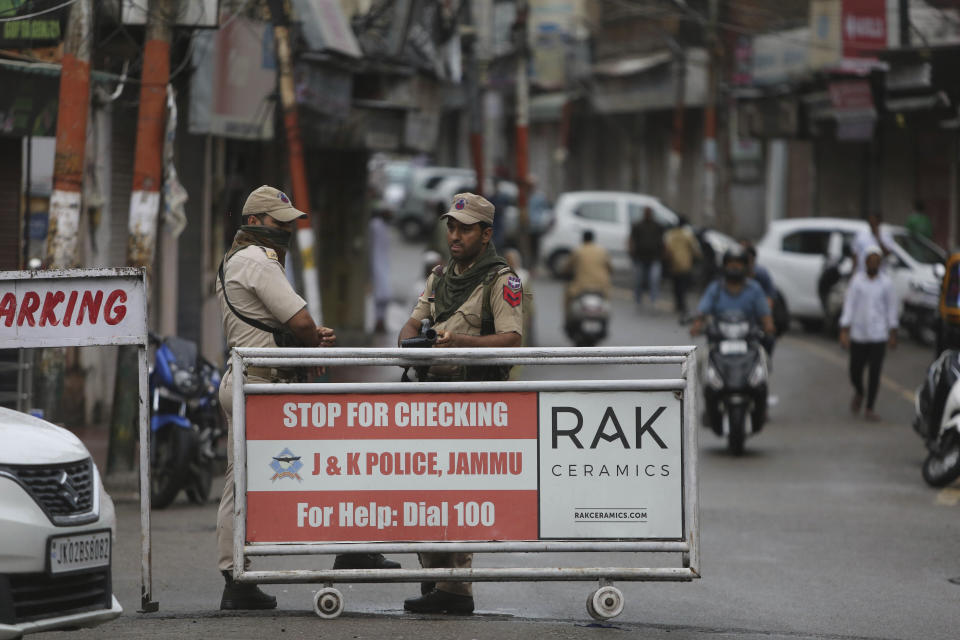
{"x":513,"y":466}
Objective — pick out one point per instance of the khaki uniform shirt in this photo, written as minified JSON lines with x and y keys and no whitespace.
{"x":590,"y":265}
{"x":506,"y":305}
{"x":682,"y":248}
{"x":258,"y":288}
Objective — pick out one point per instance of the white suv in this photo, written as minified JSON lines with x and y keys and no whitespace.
{"x":57,"y":527}
{"x":797,"y":250}
{"x":609,"y":214}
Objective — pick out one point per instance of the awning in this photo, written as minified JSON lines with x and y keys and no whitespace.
{"x":631,"y":66}
{"x":547,"y":107}
{"x":918,"y":103}
{"x":649,"y":86}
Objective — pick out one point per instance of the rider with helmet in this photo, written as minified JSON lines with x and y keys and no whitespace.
{"x":735,"y":292}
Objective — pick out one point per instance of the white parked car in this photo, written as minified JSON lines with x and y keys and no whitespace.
{"x":609,"y":214}
{"x":797,"y":250}
{"x":417,"y":213}
{"x":57,"y":527}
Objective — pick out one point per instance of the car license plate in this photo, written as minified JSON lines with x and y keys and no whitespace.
{"x":78,"y":552}
{"x":592,"y":326}
{"x":729,"y":347}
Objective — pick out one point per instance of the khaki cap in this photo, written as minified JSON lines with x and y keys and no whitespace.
{"x":469,"y":208}
{"x":272,"y":202}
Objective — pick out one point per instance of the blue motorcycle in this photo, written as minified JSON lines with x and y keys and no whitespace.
{"x":186,"y":426}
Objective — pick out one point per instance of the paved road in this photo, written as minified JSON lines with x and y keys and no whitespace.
{"x":824,"y":529}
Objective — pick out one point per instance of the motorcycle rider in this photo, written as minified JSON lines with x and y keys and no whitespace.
{"x":589,"y":269}
{"x":735,"y":292}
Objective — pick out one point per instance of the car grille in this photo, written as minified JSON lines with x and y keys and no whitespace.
{"x":34,"y":596}
{"x":63,"y":491}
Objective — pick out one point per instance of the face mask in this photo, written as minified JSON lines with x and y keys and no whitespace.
{"x":279,"y":237}
{"x":734,"y":274}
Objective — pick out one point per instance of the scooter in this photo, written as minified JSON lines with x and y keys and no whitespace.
{"x":735,"y":377}
{"x":937,"y":419}
{"x":587,"y":318}
{"x":186,"y":426}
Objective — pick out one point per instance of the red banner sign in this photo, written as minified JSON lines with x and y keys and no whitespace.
{"x":864,"y":27}
{"x":368,"y":467}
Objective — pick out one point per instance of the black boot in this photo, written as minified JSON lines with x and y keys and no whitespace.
{"x":427,"y":587}
{"x":363,"y":561}
{"x":244,"y":595}
{"x":440,"y":602}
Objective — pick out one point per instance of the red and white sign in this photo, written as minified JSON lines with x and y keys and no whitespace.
{"x":389,"y":467}
{"x":851,"y":95}
{"x":72,"y":308}
{"x":863,"y":27}
{"x":463,"y":466}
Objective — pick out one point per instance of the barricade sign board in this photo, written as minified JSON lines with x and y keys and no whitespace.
{"x":464,"y":466}
{"x":555,"y":466}
{"x":81,"y":307}
{"x":85,"y":308}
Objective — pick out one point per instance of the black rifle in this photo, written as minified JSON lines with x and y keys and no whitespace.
{"x":423,"y":340}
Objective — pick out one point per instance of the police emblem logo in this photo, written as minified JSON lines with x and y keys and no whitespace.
{"x":460,"y":204}
{"x":514,"y":282}
{"x":271,"y":254}
{"x":286,"y":465}
{"x":283,"y":197}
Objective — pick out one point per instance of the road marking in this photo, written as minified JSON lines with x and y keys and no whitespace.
{"x":839,"y":358}
{"x":948,"y":497}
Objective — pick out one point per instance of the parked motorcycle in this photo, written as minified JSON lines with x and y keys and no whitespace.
{"x":587,"y":318}
{"x":937,"y":419}
{"x":186,"y":426}
{"x":735,"y":377}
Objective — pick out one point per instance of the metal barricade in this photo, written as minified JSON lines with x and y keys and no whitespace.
{"x":377,"y":485}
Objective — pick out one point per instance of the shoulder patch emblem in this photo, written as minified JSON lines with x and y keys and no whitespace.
{"x":271,"y":254}
{"x":514,"y":282}
{"x":512,"y":297}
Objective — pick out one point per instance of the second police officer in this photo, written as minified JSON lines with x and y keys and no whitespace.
{"x":476,"y":300}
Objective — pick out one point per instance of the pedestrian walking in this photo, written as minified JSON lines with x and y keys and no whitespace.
{"x":540,"y":216}
{"x":681,"y":249}
{"x":867,"y":325}
{"x":260,"y":309}
{"x":500,"y":201}
{"x":379,"y":230}
{"x":475,"y":301}
{"x":646,"y":249}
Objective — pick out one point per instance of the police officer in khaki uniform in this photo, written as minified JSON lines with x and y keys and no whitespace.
{"x":476,"y":300}
{"x":257,"y":303}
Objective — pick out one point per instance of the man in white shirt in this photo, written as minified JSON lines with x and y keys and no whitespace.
{"x":867,"y":325}
{"x":871,"y":237}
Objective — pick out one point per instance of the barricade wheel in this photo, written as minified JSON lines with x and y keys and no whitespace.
{"x":605,"y":603}
{"x":328,"y":603}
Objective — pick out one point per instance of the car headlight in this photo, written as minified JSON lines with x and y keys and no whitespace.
{"x":713,"y":379}
{"x":758,"y":376}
